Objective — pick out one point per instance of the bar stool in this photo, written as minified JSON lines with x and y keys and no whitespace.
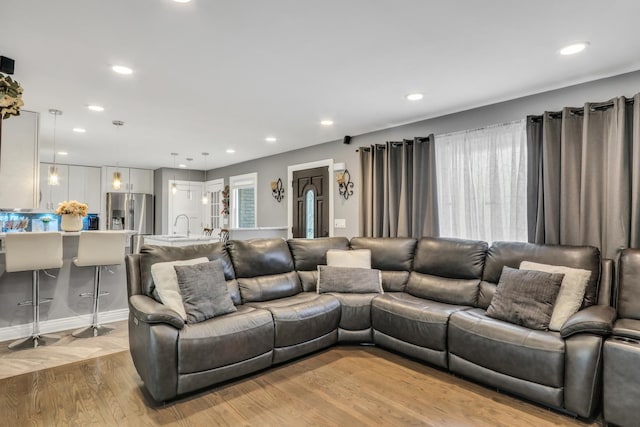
{"x":33,"y":252}
{"x":97,"y":249}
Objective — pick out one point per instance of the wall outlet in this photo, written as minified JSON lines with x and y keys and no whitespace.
{"x":340,"y":223}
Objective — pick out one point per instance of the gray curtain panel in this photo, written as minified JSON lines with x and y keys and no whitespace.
{"x":584,"y":176}
{"x":398,"y":192}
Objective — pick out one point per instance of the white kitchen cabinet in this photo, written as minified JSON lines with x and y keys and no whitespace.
{"x":132,"y":180}
{"x":51,"y":195}
{"x":140,"y":181}
{"x":84,"y":186}
{"x":19,"y":161}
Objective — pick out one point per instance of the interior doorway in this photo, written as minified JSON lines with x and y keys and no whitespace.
{"x":310,"y":203}
{"x":310,"y":200}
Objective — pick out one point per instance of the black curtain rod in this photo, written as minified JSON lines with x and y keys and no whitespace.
{"x":599,"y":106}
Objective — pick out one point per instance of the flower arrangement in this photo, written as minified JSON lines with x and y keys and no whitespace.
{"x":10,"y":97}
{"x":72,"y":207}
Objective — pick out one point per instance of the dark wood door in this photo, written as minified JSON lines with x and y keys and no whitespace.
{"x":311,"y":202}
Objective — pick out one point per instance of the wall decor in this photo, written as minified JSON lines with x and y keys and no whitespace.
{"x":345,"y":185}
{"x":225,"y":201}
{"x":277,"y":190}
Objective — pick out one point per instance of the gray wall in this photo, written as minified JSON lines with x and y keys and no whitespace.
{"x":161,"y":179}
{"x":272,"y":213}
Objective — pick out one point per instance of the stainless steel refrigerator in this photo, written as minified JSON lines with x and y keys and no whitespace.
{"x":130,"y":211}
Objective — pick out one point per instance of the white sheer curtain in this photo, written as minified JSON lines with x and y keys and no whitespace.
{"x":482,"y":183}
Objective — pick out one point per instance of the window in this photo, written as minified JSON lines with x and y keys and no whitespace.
{"x":243,"y":200}
{"x":482,"y":188}
{"x":310,"y":217}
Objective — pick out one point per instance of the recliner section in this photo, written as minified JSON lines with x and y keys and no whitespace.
{"x":436,"y":292}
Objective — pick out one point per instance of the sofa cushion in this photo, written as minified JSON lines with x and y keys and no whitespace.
{"x":525,"y":297}
{"x":442,"y":289}
{"x":571,"y":293}
{"x":348,"y":280}
{"x":204,"y":291}
{"x":512,"y":254}
{"x":451,"y":258}
{"x":265,"y":288}
{"x":355,"y":310}
{"x":302,"y":317}
{"x":260,"y":257}
{"x":225,"y":340}
{"x":392,"y":256}
{"x":151,"y":254}
{"x":627,"y":328}
{"x":628,"y":301}
{"x":414,"y":320}
{"x":388,"y":254}
{"x":516,"y":351}
{"x":360,"y":258}
{"x":308,"y":254}
{"x":166,"y":283}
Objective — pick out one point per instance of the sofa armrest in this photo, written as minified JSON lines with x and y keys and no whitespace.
{"x":596,"y":319}
{"x":148,"y":310}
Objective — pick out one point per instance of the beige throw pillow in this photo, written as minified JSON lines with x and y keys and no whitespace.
{"x":571,"y":293}
{"x":357,"y":258}
{"x":166,"y":281}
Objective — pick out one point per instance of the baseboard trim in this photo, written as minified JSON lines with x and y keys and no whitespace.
{"x":64,"y":324}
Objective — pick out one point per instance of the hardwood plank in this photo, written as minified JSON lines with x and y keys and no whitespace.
{"x":344,"y":385}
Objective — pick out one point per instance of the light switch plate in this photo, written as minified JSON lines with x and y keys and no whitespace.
{"x":340,"y":223}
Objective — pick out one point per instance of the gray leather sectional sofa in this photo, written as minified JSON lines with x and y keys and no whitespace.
{"x":433,"y":307}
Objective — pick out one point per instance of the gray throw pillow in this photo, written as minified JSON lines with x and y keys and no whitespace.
{"x":348,"y":280}
{"x":525,"y":297}
{"x":204,"y":290}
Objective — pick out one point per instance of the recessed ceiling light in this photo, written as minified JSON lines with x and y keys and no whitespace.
{"x":182,"y":165}
{"x":182,"y":1}
{"x":62,"y":153}
{"x":79,"y":130}
{"x":271,"y":139}
{"x":230,"y":151}
{"x":574,"y":48}
{"x":415,"y":96}
{"x":95,"y":108}
{"x":121,"y":69}
{"x":326,"y":122}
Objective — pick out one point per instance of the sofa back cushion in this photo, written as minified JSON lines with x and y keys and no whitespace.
{"x":392,"y":256}
{"x":267,"y":288}
{"x":308,"y":254}
{"x":450,"y":258}
{"x":260,"y":257}
{"x":151,"y":254}
{"x":511,"y":254}
{"x":629,"y":284}
{"x":264,"y":268}
{"x":447,"y":270}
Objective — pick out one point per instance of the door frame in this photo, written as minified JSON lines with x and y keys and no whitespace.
{"x":302,"y":166}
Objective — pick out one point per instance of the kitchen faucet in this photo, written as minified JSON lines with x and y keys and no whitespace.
{"x":188,"y":223}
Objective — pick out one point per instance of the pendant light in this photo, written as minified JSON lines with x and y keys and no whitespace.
{"x":52,"y":177}
{"x":189,"y":193}
{"x":205,"y":199}
{"x":174,"y":186}
{"x":116,"y":180}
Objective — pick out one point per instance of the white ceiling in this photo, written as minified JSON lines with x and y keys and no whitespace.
{"x":212,"y":74}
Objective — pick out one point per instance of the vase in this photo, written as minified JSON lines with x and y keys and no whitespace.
{"x":71,"y":222}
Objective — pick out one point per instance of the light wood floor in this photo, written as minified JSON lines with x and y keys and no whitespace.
{"x":345,"y":386}
{"x":66,"y":350}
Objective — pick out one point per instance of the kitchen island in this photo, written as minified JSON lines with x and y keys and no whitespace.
{"x":179,"y":239}
{"x":67,"y":310}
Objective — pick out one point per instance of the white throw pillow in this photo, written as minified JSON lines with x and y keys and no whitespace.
{"x":571,"y":292}
{"x":357,"y":258}
{"x":166,"y":281}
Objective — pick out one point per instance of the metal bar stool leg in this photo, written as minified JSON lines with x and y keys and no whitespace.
{"x":35,"y":339}
{"x":95,"y":329}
